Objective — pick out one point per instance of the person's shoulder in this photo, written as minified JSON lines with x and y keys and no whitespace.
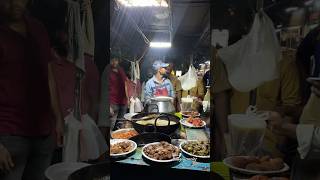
{"x":150,"y":81}
{"x":167,"y":80}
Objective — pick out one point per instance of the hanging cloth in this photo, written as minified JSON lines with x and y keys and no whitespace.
{"x":87,"y":27}
{"x":133,"y":67}
{"x":137,"y":71}
{"x":75,"y":38}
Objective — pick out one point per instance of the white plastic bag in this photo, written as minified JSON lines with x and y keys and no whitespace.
{"x":138,"y":107}
{"x":131,"y":108}
{"x":87,"y":135}
{"x":254,"y":59}
{"x":92,"y":142}
{"x":71,"y":139}
{"x":189,"y":80}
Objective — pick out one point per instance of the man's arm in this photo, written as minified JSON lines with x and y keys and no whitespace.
{"x":290,"y":89}
{"x":147,"y":93}
{"x":172,"y":91}
{"x":178,"y":95}
{"x":200,"y":89}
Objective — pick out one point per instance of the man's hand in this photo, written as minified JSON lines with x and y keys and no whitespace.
{"x":6,"y":163}
{"x":276,"y":122}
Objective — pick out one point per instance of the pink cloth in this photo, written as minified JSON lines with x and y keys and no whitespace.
{"x":117,"y":91}
{"x":133,"y":89}
{"x":64,"y":73}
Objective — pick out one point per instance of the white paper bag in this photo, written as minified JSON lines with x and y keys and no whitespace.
{"x":254,"y":59}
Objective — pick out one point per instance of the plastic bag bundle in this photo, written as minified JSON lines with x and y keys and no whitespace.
{"x":254,"y":59}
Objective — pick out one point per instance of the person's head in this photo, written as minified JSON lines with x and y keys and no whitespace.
{"x":170,"y":67}
{"x":13,"y":10}
{"x":114,"y":62}
{"x":160,"y":67}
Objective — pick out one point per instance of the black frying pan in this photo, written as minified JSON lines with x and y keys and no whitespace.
{"x":168,"y":129}
{"x":146,"y":138}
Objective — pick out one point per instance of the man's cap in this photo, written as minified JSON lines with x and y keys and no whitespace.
{"x":159,"y":64}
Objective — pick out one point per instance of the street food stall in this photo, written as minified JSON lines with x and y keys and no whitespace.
{"x":167,"y":122}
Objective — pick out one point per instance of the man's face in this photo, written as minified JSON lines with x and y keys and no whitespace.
{"x":163,"y":71}
{"x":13,"y":10}
{"x":115,"y":62}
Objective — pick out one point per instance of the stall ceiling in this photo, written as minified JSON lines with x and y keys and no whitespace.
{"x":190,"y":26}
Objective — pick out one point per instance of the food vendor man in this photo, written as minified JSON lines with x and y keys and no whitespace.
{"x":158,"y":85}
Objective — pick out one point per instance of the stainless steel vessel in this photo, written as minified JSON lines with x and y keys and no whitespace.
{"x":161,"y":104}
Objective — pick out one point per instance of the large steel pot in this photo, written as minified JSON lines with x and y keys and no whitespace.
{"x":161,"y":104}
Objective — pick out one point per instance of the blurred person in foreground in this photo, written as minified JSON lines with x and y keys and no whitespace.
{"x":307,"y":131}
{"x":28,"y":101}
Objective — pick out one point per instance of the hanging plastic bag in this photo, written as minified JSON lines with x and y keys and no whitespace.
{"x":131,"y":108}
{"x":71,"y":139}
{"x":254,"y":59}
{"x":189,"y":80}
{"x":92,"y":142}
{"x":138,"y":107}
{"x":246,"y":133}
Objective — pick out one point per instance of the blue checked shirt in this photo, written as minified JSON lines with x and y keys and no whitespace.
{"x":153,"y":86}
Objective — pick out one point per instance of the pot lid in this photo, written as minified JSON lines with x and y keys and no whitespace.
{"x":162,"y":98}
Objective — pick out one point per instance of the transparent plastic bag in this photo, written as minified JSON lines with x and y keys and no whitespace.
{"x":186,"y":104}
{"x":246,"y":134}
